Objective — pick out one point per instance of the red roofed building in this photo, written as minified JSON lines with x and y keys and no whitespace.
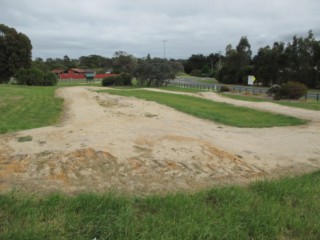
{"x":80,"y":74}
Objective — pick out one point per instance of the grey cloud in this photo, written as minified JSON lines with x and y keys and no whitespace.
{"x":77,"y":27}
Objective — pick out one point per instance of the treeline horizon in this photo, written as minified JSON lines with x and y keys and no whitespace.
{"x":297,"y":60}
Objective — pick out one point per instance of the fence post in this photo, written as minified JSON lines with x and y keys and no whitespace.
{"x":318,"y":97}
{"x":306,"y":96}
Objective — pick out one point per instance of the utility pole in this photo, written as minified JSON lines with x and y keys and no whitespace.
{"x":164,"y":48}
{"x":219,"y":66}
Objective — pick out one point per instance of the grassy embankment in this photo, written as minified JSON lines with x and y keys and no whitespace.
{"x":282,"y":209}
{"x":308,"y":104}
{"x":26,"y":107}
{"x":23,"y":107}
{"x":197,"y":79}
{"x":218,"y":112}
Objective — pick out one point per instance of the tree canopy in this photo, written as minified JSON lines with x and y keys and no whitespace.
{"x":298,"y":61}
{"x":15,"y":52}
{"x":155,"y":72}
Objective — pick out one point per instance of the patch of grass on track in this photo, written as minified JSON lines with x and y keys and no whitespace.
{"x":243,"y":98}
{"x":311,"y":105}
{"x":308,"y":104}
{"x":282,"y":209}
{"x":180,"y":89}
{"x":218,"y":112}
{"x":23,"y":107}
{"x":168,"y":88}
{"x":78,"y":83}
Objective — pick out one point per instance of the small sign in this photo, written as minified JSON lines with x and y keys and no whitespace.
{"x":251,"y":80}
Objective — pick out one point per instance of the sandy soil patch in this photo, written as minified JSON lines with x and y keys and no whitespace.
{"x":110,"y":142}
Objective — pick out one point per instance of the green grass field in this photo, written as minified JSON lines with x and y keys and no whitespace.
{"x":308,"y":104}
{"x":23,"y":107}
{"x":218,"y":112}
{"x":282,"y":209}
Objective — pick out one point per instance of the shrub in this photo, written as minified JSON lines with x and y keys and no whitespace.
{"x":35,"y":77}
{"x":293,"y":90}
{"x":224,"y":89}
{"x":109,"y":81}
{"x":120,"y":80}
{"x":50,"y":79}
{"x":126,"y":79}
{"x":290,"y":90}
{"x":29,"y":76}
{"x":273,"y":90}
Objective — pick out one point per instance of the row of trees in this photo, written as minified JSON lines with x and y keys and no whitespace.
{"x":15,"y":61}
{"x":205,"y":66}
{"x":148,"y":71}
{"x":297,"y":60}
{"x":120,"y":62}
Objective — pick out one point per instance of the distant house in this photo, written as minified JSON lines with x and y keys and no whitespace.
{"x":80,"y":74}
{"x":57,"y":72}
{"x":76,"y":71}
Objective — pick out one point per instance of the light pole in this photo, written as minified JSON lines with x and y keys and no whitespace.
{"x":164,"y":48}
{"x":219,"y":66}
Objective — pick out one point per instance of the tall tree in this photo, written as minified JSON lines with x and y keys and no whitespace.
{"x":244,"y":51}
{"x":237,"y":63}
{"x":302,"y":59}
{"x":15,"y":52}
{"x":156,"y":72}
{"x":123,"y":62}
{"x":270,"y":64}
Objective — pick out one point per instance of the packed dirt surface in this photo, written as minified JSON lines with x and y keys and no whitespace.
{"x":107,"y":142}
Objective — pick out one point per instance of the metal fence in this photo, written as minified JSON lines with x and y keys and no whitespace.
{"x":254,"y":90}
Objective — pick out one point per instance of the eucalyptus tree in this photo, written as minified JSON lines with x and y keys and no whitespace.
{"x":15,"y":52}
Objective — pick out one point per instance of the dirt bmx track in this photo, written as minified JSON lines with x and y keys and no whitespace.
{"x":107,"y":142}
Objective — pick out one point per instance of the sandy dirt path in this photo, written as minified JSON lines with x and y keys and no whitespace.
{"x":110,"y":142}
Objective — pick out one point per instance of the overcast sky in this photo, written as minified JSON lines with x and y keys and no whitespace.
{"x":83,"y":27}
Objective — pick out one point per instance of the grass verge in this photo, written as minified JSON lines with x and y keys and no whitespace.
{"x":23,"y":107}
{"x":180,"y":89}
{"x":308,"y":104}
{"x":75,"y":83}
{"x":218,"y":112}
{"x":282,"y":209}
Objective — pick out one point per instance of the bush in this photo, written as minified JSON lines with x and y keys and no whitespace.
{"x":224,"y":89}
{"x":126,"y":79}
{"x":121,"y":80}
{"x":293,"y":90}
{"x":109,"y":81}
{"x":50,"y":79}
{"x":290,"y":90}
{"x":35,"y":77}
{"x":29,"y":76}
{"x":273,"y":90}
